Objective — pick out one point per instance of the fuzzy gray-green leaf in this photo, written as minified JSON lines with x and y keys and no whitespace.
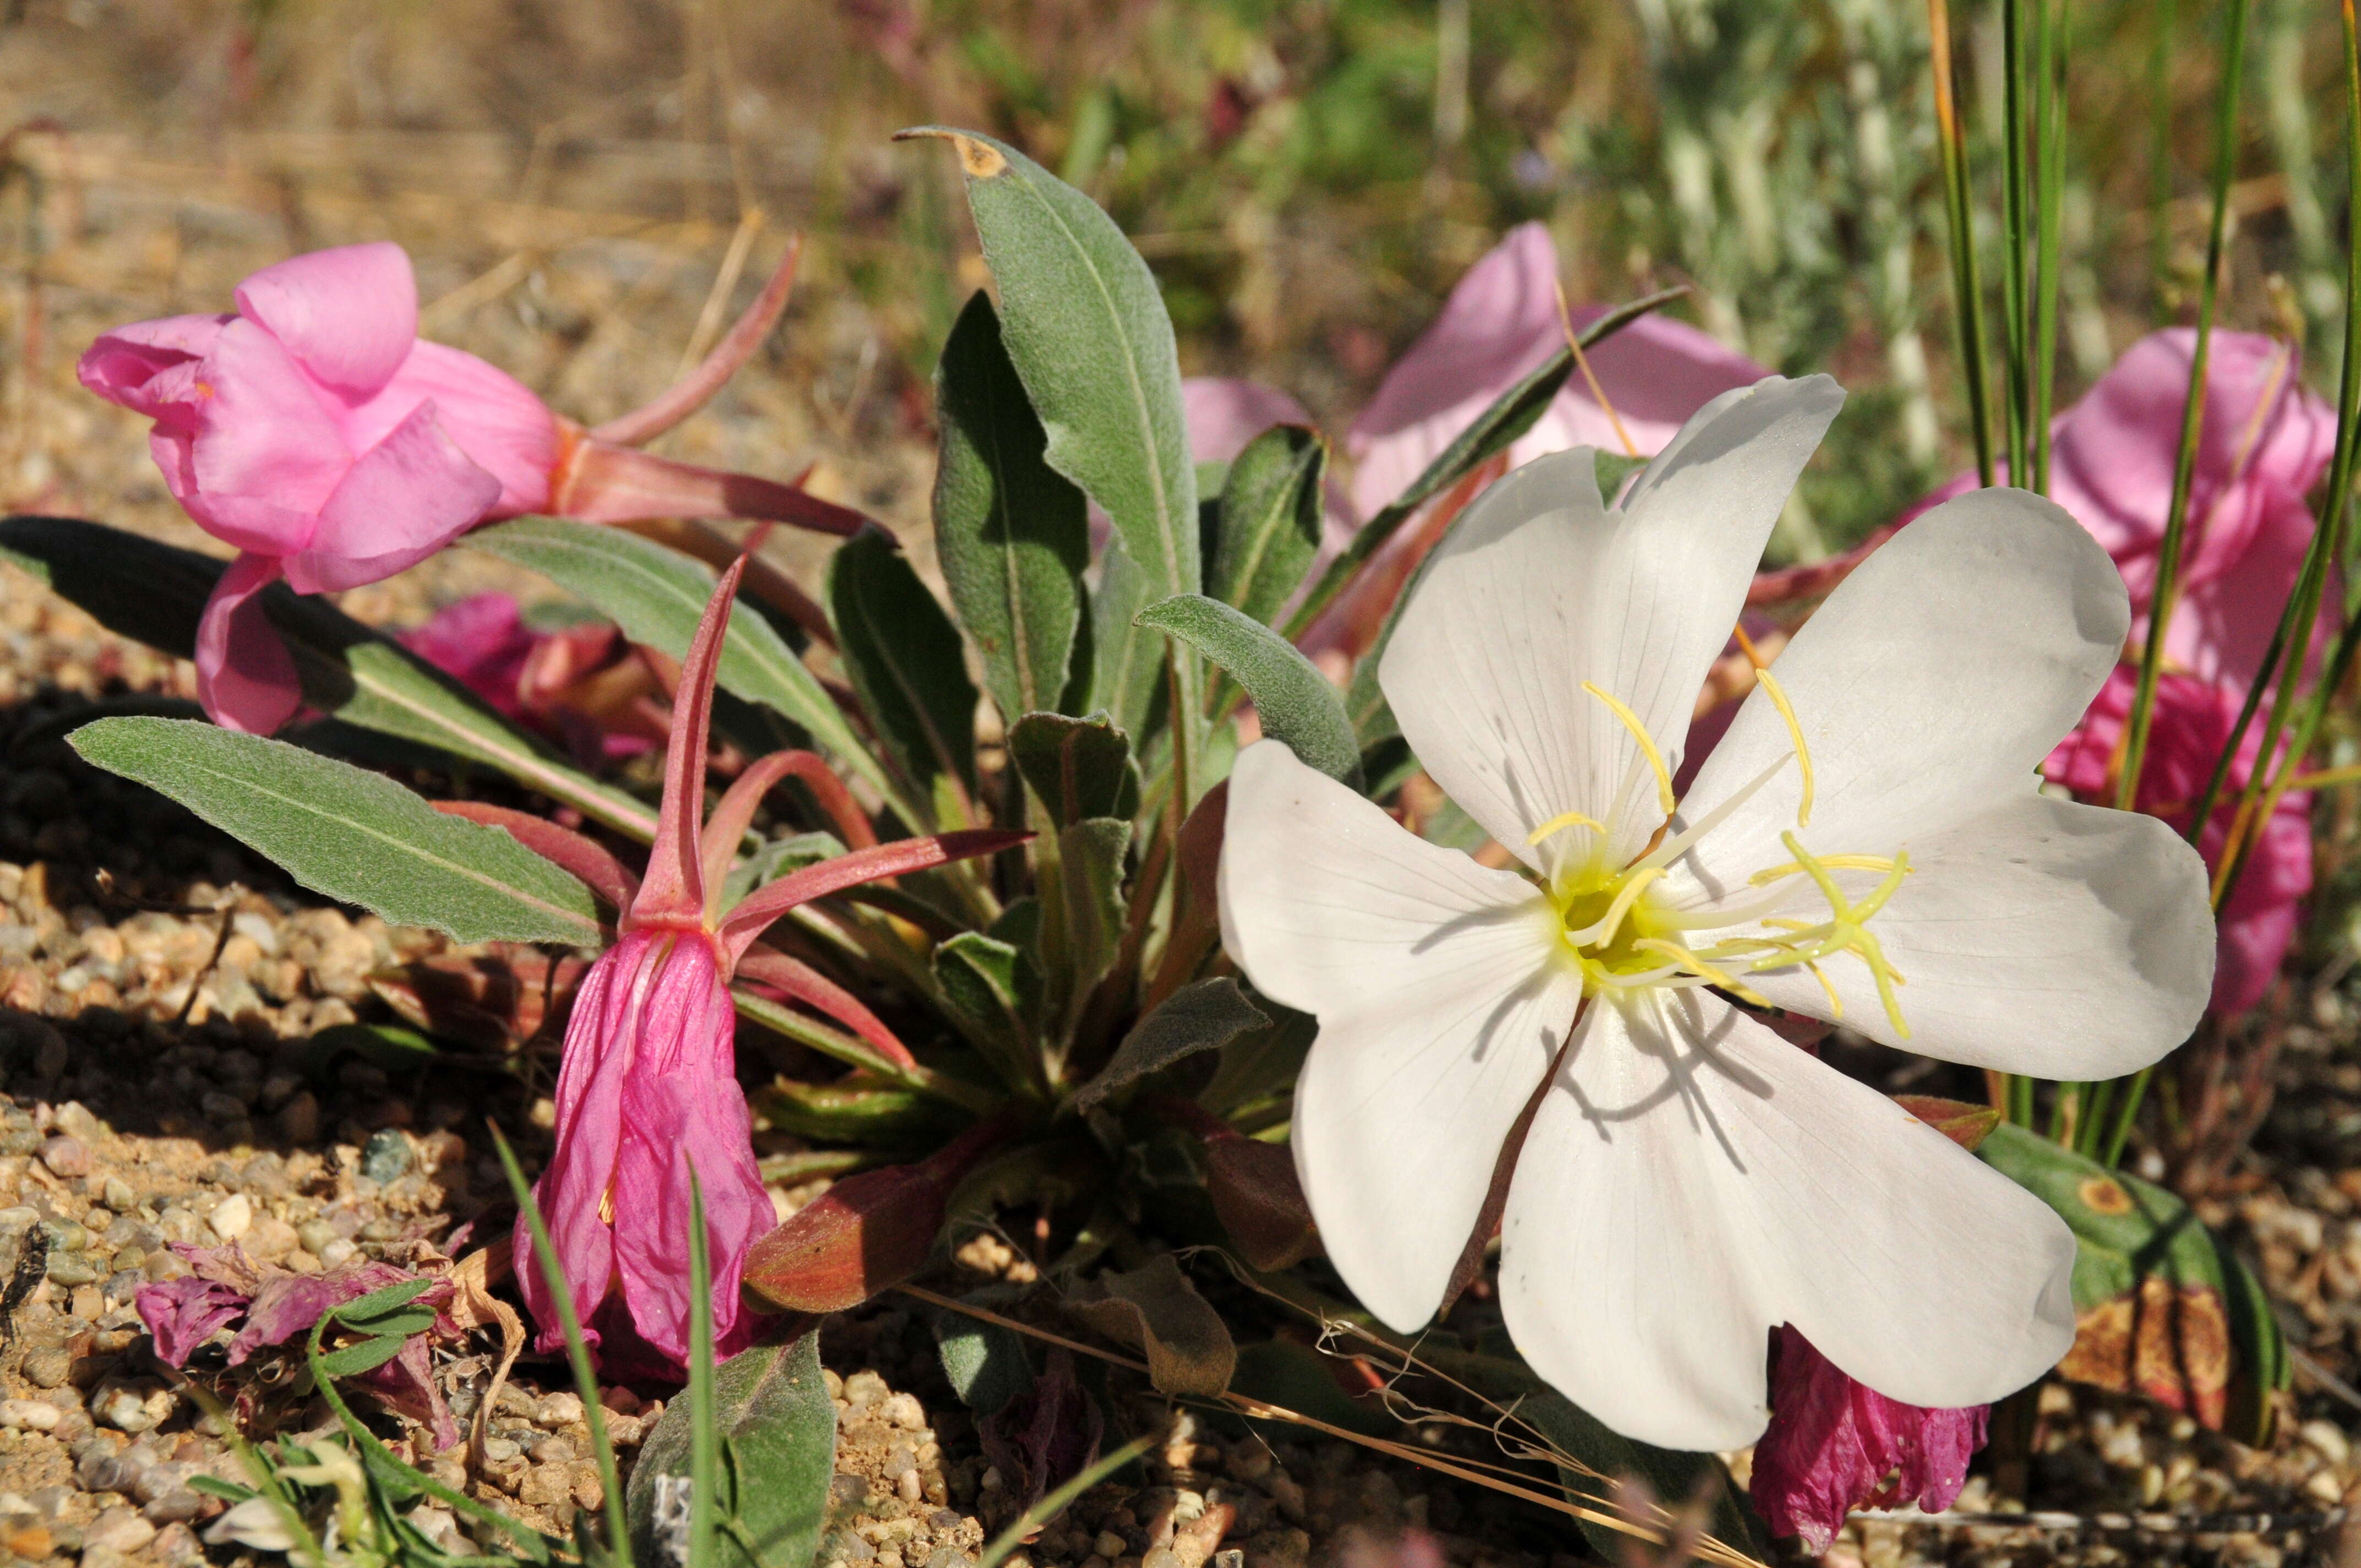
{"x":779,"y":1441}
{"x":1270,"y":520}
{"x":354,"y":835}
{"x":906,"y":659}
{"x":1204,"y":1016}
{"x":1079,"y":767}
{"x":1297,"y":704}
{"x":1011,"y":530}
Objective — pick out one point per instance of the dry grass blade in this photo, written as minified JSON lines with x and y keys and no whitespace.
{"x":1473,"y":1471}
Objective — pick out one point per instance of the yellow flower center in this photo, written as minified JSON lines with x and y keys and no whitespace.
{"x":1624,"y":935}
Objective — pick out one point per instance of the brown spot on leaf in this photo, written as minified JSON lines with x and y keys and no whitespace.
{"x":981,"y":160}
{"x":2172,"y":1344}
{"x":2104,"y":1195}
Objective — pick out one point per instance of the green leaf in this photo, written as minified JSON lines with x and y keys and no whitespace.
{"x":778,"y":1430}
{"x":1079,"y":767}
{"x":357,"y":836}
{"x":857,"y":1109}
{"x":365,"y":1356}
{"x":1011,"y":530}
{"x":1673,"y":1476}
{"x":1270,"y":520}
{"x":1089,"y":868}
{"x":400,"y":1324}
{"x":1263,"y":1062}
{"x":384,"y":1299}
{"x":1127,"y":665}
{"x":905,"y":659}
{"x":156,"y":593}
{"x":1204,"y":1017}
{"x":2149,"y":1278}
{"x":657,"y":596}
{"x":1297,"y":704}
{"x":984,"y":1364}
{"x":994,"y":996}
{"x":1086,"y":330}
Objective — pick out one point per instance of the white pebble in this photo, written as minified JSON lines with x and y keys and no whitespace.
{"x":233,"y":1216}
{"x":39,"y":1415}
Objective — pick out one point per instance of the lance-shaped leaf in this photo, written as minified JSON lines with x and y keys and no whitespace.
{"x":1204,"y":1016}
{"x":1086,"y":330}
{"x":1128,"y":660}
{"x":1090,"y":870}
{"x":354,"y":835}
{"x":2161,"y":1308}
{"x":905,"y":659}
{"x":1297,"y":704}
{"x":156,"y":593}
{"x":1079,"y":767}
{"x":984,"y":1364}
{"x":857,"y":1109}
{"x":1269,"y":520}
{"x":1011,"y":530}
{"x":777,"y":1427}
{"x":994,"y":995}
{"x":657,"y":596}
{"x":1155,"y":1311}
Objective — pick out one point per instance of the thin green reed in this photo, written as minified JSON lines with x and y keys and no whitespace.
{"x":2176,"y":524}
{"x":1967,"y":286}
{"x":2049,"y":196}
{"x":704,"y":1422}
{"x":2016,"y":158}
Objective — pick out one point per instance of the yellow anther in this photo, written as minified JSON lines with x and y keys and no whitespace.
{"x":1648,"y":746}
{"x":1834,"y":862}
{"x":1561,"y":822}
{"x":1846,"y":929}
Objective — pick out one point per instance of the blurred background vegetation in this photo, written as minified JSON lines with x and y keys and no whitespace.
{"x":591,"y":186}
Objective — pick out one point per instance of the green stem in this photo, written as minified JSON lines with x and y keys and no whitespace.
{"x":2049,"y":142}
{"x":704,"y":1428}
{"x":2014,"y":159}
{"x":2176,"y":524}
{"x":1967,"y":288}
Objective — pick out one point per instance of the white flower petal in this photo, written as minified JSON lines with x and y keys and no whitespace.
{"x":1441,"y":1002}
{"x":1691,"y":1179}
{"x":2062,"y":940}
{"x":1928,"y":688}
{"x":1538,"y":589}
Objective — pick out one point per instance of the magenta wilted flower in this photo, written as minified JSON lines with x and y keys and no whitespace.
{"x":648,"y":1089}
{"x":313,"y":430}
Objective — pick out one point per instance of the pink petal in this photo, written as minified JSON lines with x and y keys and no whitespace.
{"x":495,"y":419}
{"x":182,"y":1313}
{"x":601,"y":1039}
{"x":1833,"y":1441}
{"x":132,"y":365}
{"x":404,"y":499}
{"x":1223,"y":414}
{"x":245,"y":677}
{"x":266,"y":456}
{"x":349,"y":314}
{"x":482,"y":643}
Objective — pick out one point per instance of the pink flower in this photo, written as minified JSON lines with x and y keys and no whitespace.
{"x":315,"y":432}
{"x":2192,"y":723}
{"x":1835,"y":1445}
{"x":574,"y":682}
{"x":2265,"y":442}
{"x":648,"y":1091}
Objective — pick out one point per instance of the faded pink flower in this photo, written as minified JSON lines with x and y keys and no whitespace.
{"x":2192,"y":723}
{"x":565,"y":683}
{"x":2265,"y":442}
{"x":1835,"y":1445}
{"x":316,"y":431}
{"x":648,"y":1091}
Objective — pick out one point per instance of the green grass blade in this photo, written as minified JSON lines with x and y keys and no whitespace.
{"x":1967,"y":286}
{"x":1048,"y":1508}
{"x":2176,"y":522}
{"x":2016,"y":160}
{"x":705,"y":1434}
{"x":2050,"y":147}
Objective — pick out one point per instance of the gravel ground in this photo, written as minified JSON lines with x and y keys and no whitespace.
{"x":180,"y":1068}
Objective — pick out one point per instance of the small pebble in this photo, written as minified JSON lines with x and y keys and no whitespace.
{"x":36,"y":1415}
{"x":75,"y":1269}
{"x":558,"y":1410}
{"x":119,"y":1195}
{"x":500,"y":1449}
{"x":118,"y":1530}
{"x":386,"y":1157}
{"x":232,"y":1217}
{"x":66,"y":1156}
{"x":910,"y":1487}
{"x":555,"y":1449}
{"x":905,"y":1411}
{"x":48,"y":1366}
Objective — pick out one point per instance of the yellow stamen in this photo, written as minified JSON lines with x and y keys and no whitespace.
{"x":1794,"y":735}
{"x":1836,"y":1003}
{"x":1837,"y":862}
{"x":1697,"y":965}
{"x":1561,"y":822}
{"x":1847,"y":927}
{"x":1647,"y":746}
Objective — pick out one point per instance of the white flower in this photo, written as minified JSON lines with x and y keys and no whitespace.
{"x":1873,"y":847}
